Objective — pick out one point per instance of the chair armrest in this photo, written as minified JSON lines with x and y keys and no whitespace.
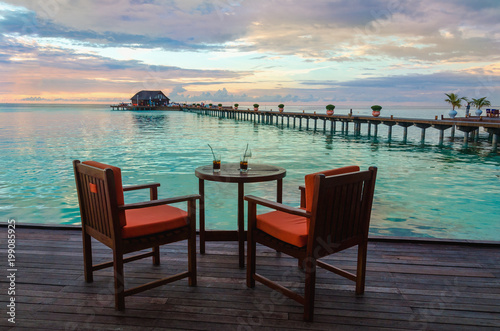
{"x":153,"y":203}
{"x":302,"y":189}
{"x":153,"y":189}
{"x":277,"y":206}
{"x":140,"y":186}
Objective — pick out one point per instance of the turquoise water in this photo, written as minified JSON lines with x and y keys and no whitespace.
{"x":423,"y":190}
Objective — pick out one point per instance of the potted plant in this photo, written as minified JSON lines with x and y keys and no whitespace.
{"x":256,"y":106}
{"x":236,"y":106}
{"x":480,"y":103}
{"x":376,"y":110}
{"x":220,"y":106}
{"x":210,"y":105}
{"x":329,"y":109}
{"x":281,"y":106}
{"x":455,"y":101}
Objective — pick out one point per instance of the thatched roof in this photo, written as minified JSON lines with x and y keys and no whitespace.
{"x":149,"y":95}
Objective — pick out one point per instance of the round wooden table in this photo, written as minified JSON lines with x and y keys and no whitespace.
{"x":230,"y":173}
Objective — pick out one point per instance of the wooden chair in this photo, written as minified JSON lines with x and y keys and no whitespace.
{"x":335,"y":215}
{"x":127,"y":228}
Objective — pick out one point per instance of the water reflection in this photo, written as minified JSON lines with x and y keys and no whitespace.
{"x":148,"y":121}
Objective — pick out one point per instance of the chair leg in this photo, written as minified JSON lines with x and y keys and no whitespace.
{"x":192,"y":260}
{"x":251,"y":259}
{"x":300,"y":263}
{"x":156,"y":255}
{"x":119,"y":280}
{"x":361,"y":268}
{"x":310,"y":287}
{"x":87,"y":258}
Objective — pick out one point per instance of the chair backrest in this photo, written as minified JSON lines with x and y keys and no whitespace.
{"x":341,"y":210}
{"x":99,"y":198}
{"x":310,"y":178}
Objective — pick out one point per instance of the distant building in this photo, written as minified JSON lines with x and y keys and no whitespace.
{"x":150,"y":98}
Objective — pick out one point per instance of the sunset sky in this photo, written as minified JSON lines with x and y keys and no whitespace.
{"x":397,"y":52}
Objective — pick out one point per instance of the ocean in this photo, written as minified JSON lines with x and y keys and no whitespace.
{"x":448,"y":191}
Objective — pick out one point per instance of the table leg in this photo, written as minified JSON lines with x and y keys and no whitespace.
{"x":279,"y":191}
{"x":241,"y":225}
{"x":202,"y":215}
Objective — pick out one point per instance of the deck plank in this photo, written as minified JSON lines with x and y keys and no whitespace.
{"x":409,"y":286}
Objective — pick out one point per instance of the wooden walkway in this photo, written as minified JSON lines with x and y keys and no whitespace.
{"x":470,"y":125}
{"x":410,"y":286}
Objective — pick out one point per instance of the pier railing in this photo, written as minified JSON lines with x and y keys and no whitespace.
{"x":470,"y":125}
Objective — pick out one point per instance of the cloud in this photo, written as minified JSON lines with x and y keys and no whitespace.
{"x":29,"y":24}
{"x":173,"y":25}
{"x":412,"y":88}
{"x":342,"y":30}
{"x":223,"y":95}
{"x":279,"y":50}
{"x":36,"y":99}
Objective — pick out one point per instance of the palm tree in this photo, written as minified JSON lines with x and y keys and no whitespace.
{"x":454,"y":100}
{"x":481,"y":102}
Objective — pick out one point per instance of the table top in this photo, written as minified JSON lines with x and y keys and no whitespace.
{"x":230,"y":173}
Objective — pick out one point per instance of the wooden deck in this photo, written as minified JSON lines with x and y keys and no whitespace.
{"x":410,"y":286}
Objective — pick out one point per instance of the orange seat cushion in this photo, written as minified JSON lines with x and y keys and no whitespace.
{"x":151,"y":220}
{"x":309,"y":181}
{"x":286,"y":227}
{"x":117,"y":174}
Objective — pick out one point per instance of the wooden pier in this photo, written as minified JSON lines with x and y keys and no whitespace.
{"x":470,"y":125}
{"x":410,"y":285}
{"x":129,"y":107}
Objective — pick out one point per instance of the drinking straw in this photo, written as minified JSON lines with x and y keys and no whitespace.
{"x":246,"y":149}
{"x":212,"y":151}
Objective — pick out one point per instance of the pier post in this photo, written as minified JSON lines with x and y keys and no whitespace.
{"x":369,"y":129}
{"x":422,"y":126}
{"x":346,"y":128}
{"x":315,"y":123}
{"x":357,"y":127}
{"x":441,"y":129}
{"x":405,"y":126}
{"x":300,"y":123}
{"x":332,"y":126}
{"x":288,"y":121}
{"x":494,"y":142}
{"x":453,"y":132}
{"x":324,"y":125}
{"x":307,"y":123}
{"x":294,"y":121}
{"x":466,"y":130}
{"x":389,"y":132}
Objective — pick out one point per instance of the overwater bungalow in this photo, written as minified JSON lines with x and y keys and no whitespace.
{"x":147,"y":100}
{"x":150,"y":98}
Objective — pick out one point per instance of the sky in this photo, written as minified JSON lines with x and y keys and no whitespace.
{"x":344,"y":52}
